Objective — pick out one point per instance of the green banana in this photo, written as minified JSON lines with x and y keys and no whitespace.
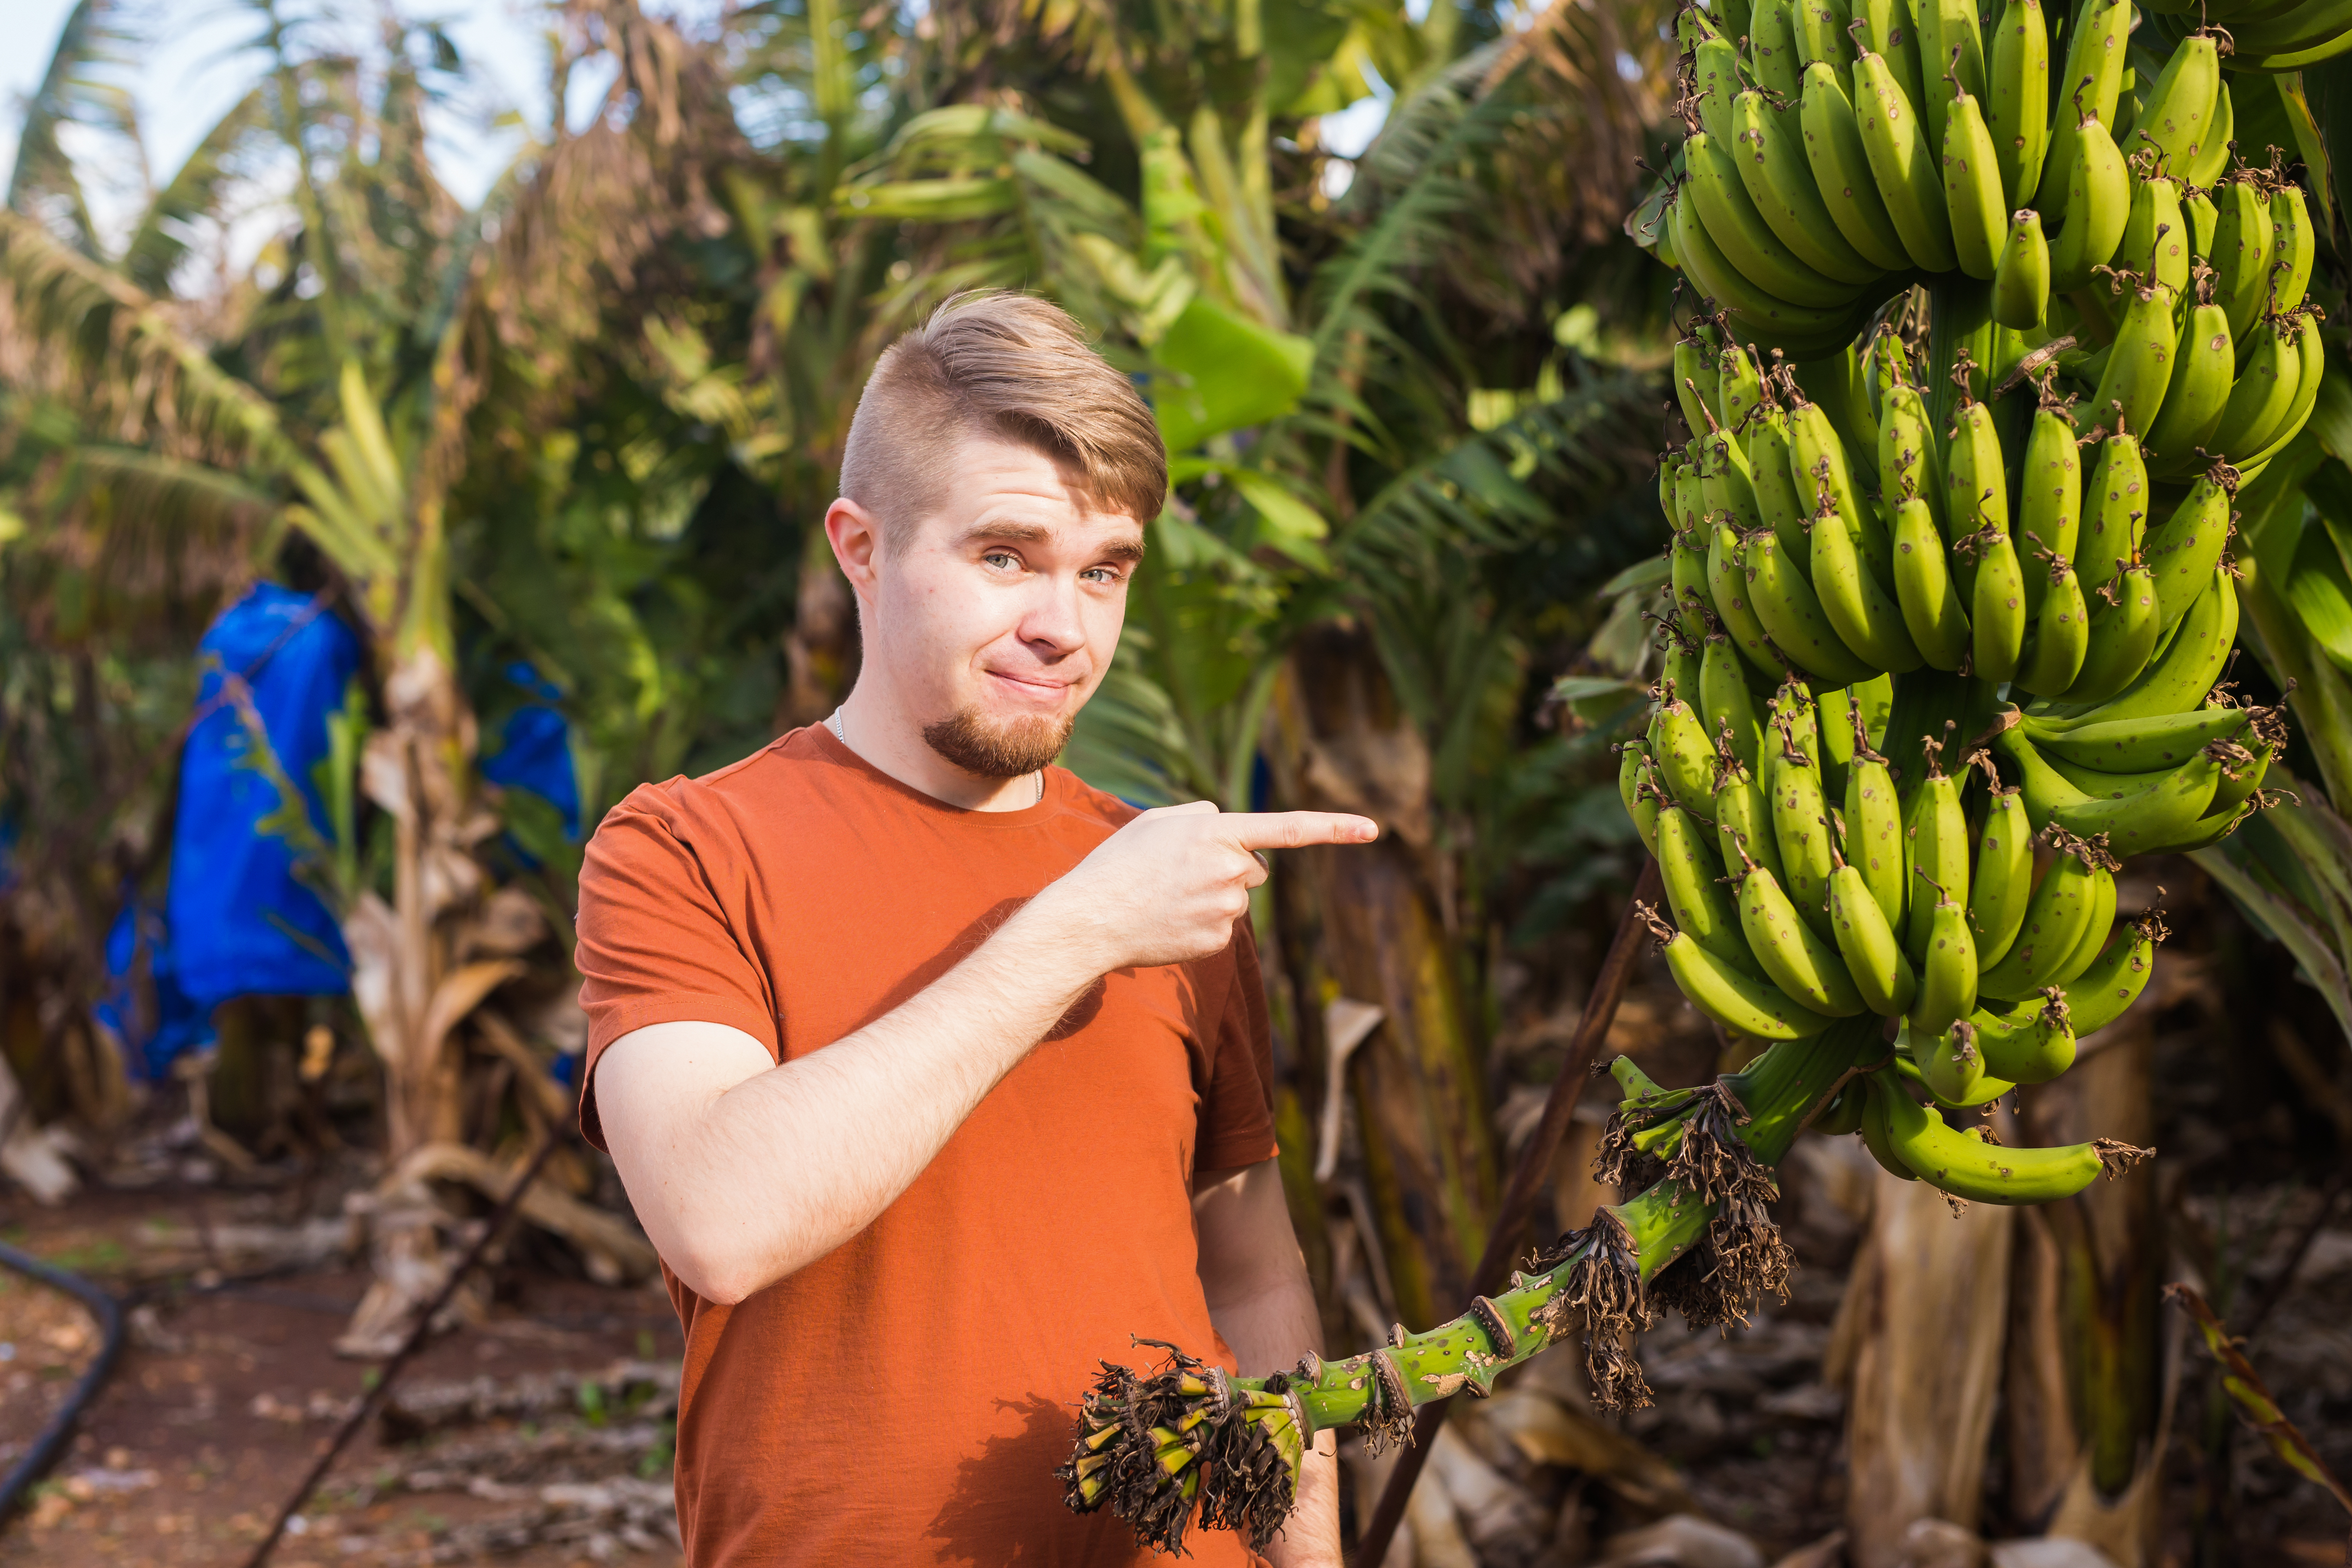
{"x":1739,"y":231}
{"x":1794,"y":790}
{"x":2241,"y":254}
{"x":2028,"y":1042}
{"x":1743,"y":819}
{"x":1741,"y":390}
{"x":2055,"y":918}
{"x":2049,"y":492}
{"x":2311,"y":367}
{"x":1726,"y":586}
{"x":1948,"y":1064}
{"x":2017,"y":84}
{"x":2183,"y":550}
{"x":2204,"y":366}
{"x":1725,"y":486}
{"x":1842,"y":1115}
{"x":1696,"y":380}
{"x":2142,"y":745}
{"x":2270,"y":374}
{"x":1818,"y":466}
{"x":1997,"y":614}
{"x":2115,"y":520}
{"x":2122,"y":630}
{"x":1886,"y":28}
{"x":1703,"y":905}
{"x":2197,"y":205}
{"x":1969,"y":1167}
{"x":1874,"y":829}
{"x":2294,"y":247}
{"x":1778,"y":501}
{"x":2096,"y":49}
{"x":2139,"y":370}
{"x":2002,"y":882}
{"x":1727,"y":706}
{"x":2214,"y":156}
{"x":1876,"y":1135}
{"x":1682,"y":755}
{"x":1947,"y":971}
{"x":1977,"y":494}
{"x":2114,"y":978}
{"x":1681,"y":668}
{"x":2095,"y":929}
{"x":2240,"y":777}
{"x":1972,"y":188}
{"x":1790,"y":613}
{"x":1822,"y":36}
{"x":1865,"y":942}
{"x":1734,"y":999}
{"x":2020,"y":274}
{"x":1770,"y":156}
{"x":2184,"y":670}
{"x":1866,"y":617}
{"x":2156,"y":234}
{"x":1841,"y":171}
{"x":2061,"y":634}
{"x":1746,"y":307}
{"x":1801,"y":964}
{"x":1910,"y":462}
{"x":2097,"y":202}
{"x":1715,"y":81}
{"x":2177,"y":118}
{"x":1895,"y":138}
{"x":1936,"y":834}
{"x":1693,"y":601}
{"x":1951,"y":57}
{"x":1772,"y":45}
{"x":2135,"y":813}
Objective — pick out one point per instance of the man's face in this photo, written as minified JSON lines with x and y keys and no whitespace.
{"x":996,"y":615}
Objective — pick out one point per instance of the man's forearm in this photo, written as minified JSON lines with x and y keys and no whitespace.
{"x":765,"y":1177}
{"x":1267,"y":1333}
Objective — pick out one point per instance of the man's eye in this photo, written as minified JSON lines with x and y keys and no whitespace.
{"x":1002,"y":558}
{"x":1107,"y":574}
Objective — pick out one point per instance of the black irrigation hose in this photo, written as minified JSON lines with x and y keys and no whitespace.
{"x":109,"y":1313}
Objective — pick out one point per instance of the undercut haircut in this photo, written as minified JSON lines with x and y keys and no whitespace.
{"x":1008,"y":366}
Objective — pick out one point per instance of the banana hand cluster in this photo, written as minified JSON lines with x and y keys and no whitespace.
{"x":2085,"y":222}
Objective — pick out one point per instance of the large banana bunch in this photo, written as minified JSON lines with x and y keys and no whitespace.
{"x":1949,"y":610}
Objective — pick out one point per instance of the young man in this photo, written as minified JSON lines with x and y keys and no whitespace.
{"x":933,"y":1074}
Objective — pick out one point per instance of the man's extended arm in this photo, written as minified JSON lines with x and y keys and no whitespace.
{"x":1262,"y":1304}
{"x":744,"y":1172}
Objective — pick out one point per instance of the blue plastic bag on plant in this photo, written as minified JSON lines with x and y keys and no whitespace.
{"x":243,"y":924}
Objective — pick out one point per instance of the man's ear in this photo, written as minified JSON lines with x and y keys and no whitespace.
{"x":855,"y":535}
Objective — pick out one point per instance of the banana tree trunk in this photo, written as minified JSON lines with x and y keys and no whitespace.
{"x":2086,"y":1410}
{"x":410,"y":981}
{"x":1919,"y":1340}
{"x":1340,"y":742}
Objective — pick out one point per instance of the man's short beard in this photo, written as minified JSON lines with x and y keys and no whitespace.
{"x":998,"y":749}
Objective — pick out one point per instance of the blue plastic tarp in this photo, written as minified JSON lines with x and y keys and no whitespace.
{"x":143,"y":1003}
{"x":242,"y":923}
{"x":535,"y":750}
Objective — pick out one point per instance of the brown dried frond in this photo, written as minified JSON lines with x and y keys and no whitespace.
{"x":1712,"y":1159}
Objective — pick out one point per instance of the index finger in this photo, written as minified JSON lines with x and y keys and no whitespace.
{"x":1290,"y":829}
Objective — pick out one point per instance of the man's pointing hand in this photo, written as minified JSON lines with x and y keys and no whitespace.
{"x":1168,"y":887}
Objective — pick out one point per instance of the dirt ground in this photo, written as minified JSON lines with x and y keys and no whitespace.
{"x":225,"y":1396}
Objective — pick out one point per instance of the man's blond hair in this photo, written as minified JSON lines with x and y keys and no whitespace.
{"x":1010,"y":366}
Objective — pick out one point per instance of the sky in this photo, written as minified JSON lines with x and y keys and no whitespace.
{"x":196,"y":72}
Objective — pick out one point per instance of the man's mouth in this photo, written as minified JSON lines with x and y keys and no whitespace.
{"x":1034,"y":689}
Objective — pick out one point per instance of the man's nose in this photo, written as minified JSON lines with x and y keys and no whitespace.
{"x":1052,"y":620}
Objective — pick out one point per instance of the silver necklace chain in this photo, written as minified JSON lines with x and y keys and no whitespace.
{"x":835,"y":721}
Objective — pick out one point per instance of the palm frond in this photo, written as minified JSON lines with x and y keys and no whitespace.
{"x":120,"y":355}
{"x":81,"y":86}
{"x":1487,"y":492}
{"x":168,"y":227}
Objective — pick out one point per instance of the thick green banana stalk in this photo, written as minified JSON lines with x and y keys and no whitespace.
{"x":1190,"y":1444}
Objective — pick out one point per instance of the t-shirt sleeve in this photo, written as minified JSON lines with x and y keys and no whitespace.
{"x":1237,"y":1110}
{"x":655,"y":944}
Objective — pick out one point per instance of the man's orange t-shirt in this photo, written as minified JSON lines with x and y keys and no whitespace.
{"x":906,"y":1398}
